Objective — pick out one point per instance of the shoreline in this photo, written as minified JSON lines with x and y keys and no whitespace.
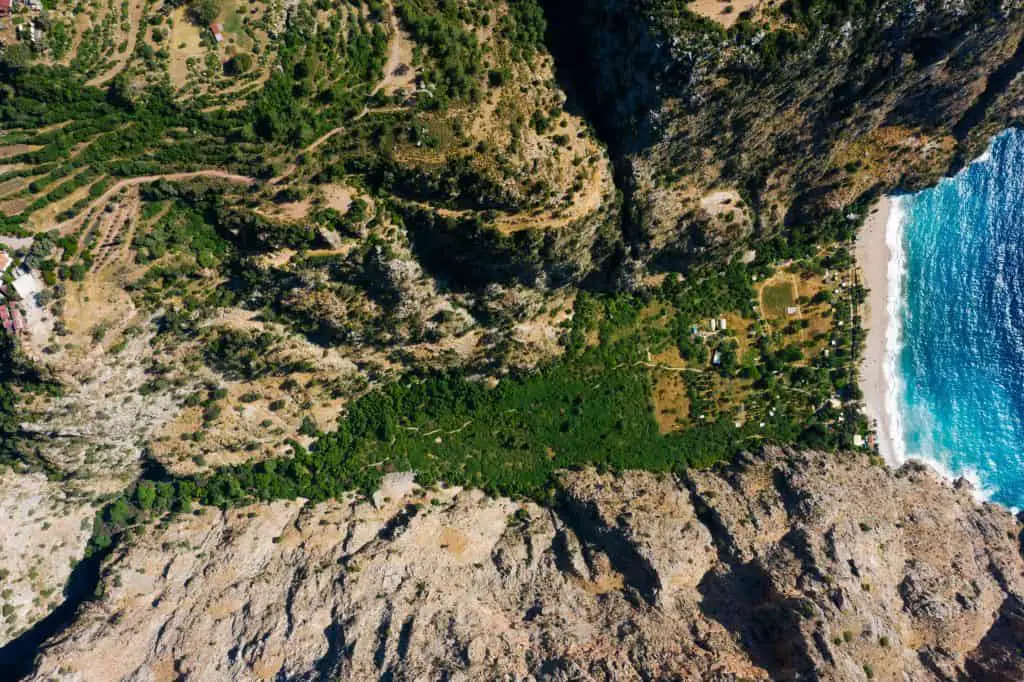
{"x":872,"y":255}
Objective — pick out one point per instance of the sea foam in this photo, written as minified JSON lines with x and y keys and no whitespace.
{"x":895,"y":450}
{"x":954,"y":342}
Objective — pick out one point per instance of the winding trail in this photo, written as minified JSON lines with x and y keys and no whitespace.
{"x":318,"y":142}
{"x":146,"y":179}
{"x":134,"y":18}
{"x":549,"y":218}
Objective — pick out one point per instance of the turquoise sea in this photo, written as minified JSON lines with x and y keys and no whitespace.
{"x":956,"y":341}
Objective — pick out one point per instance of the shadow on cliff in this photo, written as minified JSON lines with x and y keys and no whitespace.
{"x":997,"y":84}
{"x":639,"y":577}
{"x":585,"y":38}
{"x":18,"y":656}
{"x":998,"y":655}
{"x":743,"y":601}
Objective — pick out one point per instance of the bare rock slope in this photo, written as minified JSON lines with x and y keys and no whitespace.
{"x":787,"y":565}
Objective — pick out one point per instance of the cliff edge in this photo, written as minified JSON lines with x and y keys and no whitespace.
{"x":786,"y":565}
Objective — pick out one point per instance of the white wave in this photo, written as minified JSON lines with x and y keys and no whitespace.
{"x":900,"y":417}
{"x":986,"y":155}
{"x":979,"y":491}
{"x":896,"y":449}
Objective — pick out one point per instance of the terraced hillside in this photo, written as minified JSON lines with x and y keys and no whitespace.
{"x":278,"y":250}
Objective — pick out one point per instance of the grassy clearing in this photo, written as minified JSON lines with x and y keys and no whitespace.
{"x":777,"y":297}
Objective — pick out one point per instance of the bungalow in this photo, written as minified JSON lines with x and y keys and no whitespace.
{"x":5,"y":8}
{"x":722,"y":324}
{"x":5,"y":260}
{"x":218,"y":32}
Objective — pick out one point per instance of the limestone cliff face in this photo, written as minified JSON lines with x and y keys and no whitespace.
{"x":785,"y":566}
{"x":795,"y":119}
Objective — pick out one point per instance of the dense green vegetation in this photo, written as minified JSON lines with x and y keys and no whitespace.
{"x":766,"y":382}
{"x":324,"y":78}
{"x":181,"y":229}
{"x":447,"y":45}
{"x":455,"y":55}
{"x":591,"y":407}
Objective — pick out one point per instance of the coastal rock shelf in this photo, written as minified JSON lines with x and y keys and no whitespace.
{"x":781,"y":566}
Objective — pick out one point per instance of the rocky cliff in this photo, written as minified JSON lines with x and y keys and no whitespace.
{"x":787,"y":565}
{"x":796,"y":109}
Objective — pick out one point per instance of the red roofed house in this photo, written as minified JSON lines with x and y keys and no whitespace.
{"x":5,"y":318}
{"x":5,"y":7}
{"x":218,"y":30}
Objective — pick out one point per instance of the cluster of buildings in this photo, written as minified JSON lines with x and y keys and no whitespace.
{"x":8,"y":6}
{"x":715,"y":324}
{"x":10,"y":316}
{"x":29,"y":30}
{"x":23,"y":286}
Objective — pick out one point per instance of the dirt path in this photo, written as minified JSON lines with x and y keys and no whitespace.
{"x":399,"y":52}
{"x":146,"y":179}
{"x":134,"y":18}
{"x":589,"y":202}
{"x":82,"y":22}
{"x":318,"y":142}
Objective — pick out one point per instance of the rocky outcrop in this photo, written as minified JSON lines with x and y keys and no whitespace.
{"x":786,"y":565}
{"x":44,"y":529}
{"x":466,"y":251}
{"x":800,"y":109}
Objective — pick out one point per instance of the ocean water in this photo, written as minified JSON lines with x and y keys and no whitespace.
{"x":955,"y":344}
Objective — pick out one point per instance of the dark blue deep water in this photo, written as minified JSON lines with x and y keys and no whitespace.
{"x":957,"y":368}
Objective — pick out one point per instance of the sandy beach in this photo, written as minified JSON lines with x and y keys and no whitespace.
{"x":872,"y":255}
